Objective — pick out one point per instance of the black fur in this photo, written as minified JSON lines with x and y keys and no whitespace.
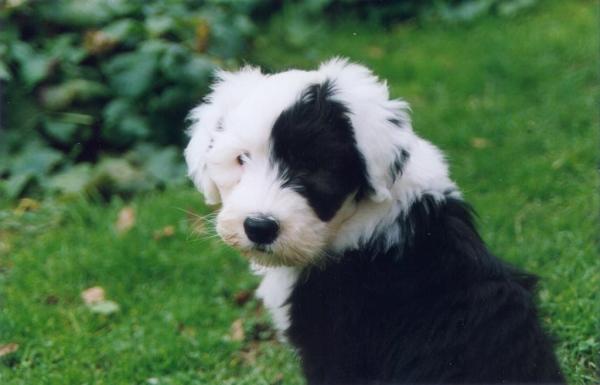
{"x":397,"y":166}
{"x":438,"y":308}
{"x":313,"y":144}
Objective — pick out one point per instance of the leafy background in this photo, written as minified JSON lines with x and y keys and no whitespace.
{"x":91,"y":88}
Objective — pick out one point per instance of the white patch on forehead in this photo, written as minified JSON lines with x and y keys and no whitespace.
{"x":252,"y":119}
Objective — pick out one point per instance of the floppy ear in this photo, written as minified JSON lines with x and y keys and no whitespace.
{"x":382,"y":127}
{"x":228,"y":90}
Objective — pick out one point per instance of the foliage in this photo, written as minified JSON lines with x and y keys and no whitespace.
{"x":302,"y":22}
{"x":87,"y":79}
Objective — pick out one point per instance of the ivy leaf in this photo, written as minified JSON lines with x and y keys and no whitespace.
{"x":163,"y":164}
{"x":15,"y":185}
{"x":34,"y":66}
{"x":132,"y":74}
{"x":35,"y":159}
{"x":73,"y":181}
{"x":63,"y":132}
{"x":63,"y":95}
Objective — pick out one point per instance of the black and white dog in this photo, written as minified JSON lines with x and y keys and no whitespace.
{"x":373,"y":268}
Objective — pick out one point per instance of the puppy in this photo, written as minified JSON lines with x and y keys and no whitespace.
{"x":373,"y":268}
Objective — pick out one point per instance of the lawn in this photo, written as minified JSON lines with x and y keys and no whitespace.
{"x":510,"y":100}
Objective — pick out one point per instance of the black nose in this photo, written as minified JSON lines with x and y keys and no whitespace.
{"x":261,"y":229}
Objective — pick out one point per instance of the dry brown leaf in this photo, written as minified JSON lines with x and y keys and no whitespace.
{"x":93,"y":295}
{"x":236,"y":331}
{"x":202,"y":36}
{"x":25,"y":205}
{"x":126,"y":220}
{"x":278,"y":379}
{"x":165,"y":232}
{"x":51,"y":299}
{"x":375,"y":52}
{"x":6,"y":349}
{"x":241,"y":297}
{"x":249,"y":354}
{"x":480,"y":143}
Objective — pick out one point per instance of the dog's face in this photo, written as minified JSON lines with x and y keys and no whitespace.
{"x":284,"y":156}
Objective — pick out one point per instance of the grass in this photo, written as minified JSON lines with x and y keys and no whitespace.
{"x":511,"y":101}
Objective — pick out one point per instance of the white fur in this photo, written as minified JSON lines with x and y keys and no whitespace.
{"x":245,"y":104}
{"x":274,"y":290}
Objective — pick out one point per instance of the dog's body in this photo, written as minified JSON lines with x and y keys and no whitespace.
{"x":373,"y":268}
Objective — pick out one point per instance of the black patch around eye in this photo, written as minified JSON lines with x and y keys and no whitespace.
{"x":397,"y":167}
{"x":314,"y":147}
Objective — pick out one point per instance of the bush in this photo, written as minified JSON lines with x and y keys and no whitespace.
{"x":86,"y":79}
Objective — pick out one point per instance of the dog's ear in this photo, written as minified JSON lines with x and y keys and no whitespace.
{"x":382,"y":127}
{"x":228,"y":89}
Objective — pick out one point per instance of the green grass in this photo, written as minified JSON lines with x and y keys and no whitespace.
{"x":511,"y":101}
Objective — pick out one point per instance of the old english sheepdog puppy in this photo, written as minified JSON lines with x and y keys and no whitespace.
{"x":373,"y":268}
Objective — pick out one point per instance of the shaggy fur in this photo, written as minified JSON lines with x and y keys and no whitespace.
{"x":372,"y":266}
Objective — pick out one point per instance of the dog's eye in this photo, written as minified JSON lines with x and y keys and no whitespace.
{"x":243,"y":158}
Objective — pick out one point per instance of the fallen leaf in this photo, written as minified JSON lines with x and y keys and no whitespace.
{"x":165,"y":232}
{"x":9,"y":348}
{"x":242,"y":297}
{"x":104,"y":307}
{"x":375,"y":52}
{"x":126,"y":220}
{"x":278,"y":380}
{"x":186,"y":331}
{"x":480,"y":143}
{"x":236,"y":331}
{"x":25,"y":205}
{"x":249,"y":354}
{"x":202,"y":35}
{"x":51,"y":299}
{"x":93,"y":295}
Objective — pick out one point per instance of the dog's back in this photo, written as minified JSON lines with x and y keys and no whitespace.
{"x":437,"y":308}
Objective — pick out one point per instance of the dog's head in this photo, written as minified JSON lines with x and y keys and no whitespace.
{"x":292,"y":155}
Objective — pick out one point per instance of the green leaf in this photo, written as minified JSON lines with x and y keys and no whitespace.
{"x":125,"y":30}
{"x":132,"y":74}
{"x":63,"y":132}
{"x":122,"y":124}
{"x":159,"y":25}
{"x":134,"y":127}
{"x":63,"y":95}
{"x":35,"y":159}
{"x":74,"y":180}
{"x":512,"y":7}
{"x":15,"y":185}
{"x":65,"y":48}
{"x":84,"y":13}
{"x":4,"y":72}
{"x":118,"y":176}
{"x":163,"y":164}
{"x":115,"y":111}
{"x":34,"y":67}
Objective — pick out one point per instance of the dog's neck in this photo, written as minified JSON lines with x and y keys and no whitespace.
{"x":425,"y":172}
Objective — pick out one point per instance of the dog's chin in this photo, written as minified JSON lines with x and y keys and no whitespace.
{"x":269,"y":258}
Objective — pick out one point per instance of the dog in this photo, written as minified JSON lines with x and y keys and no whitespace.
{"x":372,"y":265}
